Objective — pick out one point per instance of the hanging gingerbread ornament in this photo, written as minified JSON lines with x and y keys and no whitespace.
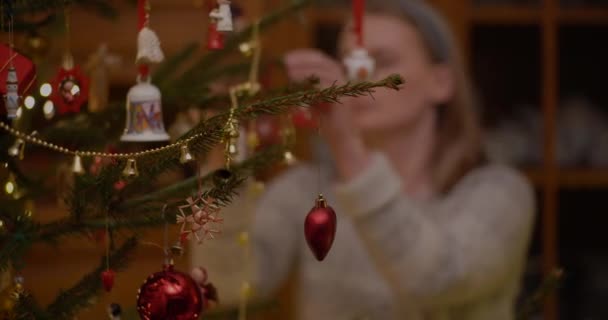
{"x":144,"y":120}
{"x":69,"y":87}
{"x":359,"y":64}
{"x":169,"y":295}
{"x":320,"y":228}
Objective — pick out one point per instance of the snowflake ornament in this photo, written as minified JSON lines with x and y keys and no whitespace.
{"x":202,"y":220}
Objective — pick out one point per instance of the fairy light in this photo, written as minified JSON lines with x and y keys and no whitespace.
{"x":19,"y":113}
{"x":29,"y":102}
{"x":9,"y":187}
{"x":46,"y":90}
{"x":49,"y":109}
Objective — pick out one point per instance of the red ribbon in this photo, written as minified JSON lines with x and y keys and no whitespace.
{"x":142,"y":21}
{"x":358,"y":11}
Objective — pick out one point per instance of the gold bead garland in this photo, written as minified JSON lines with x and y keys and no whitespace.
{"x":90,"y":154}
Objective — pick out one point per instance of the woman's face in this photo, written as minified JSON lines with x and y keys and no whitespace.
{"x":397,"y":48}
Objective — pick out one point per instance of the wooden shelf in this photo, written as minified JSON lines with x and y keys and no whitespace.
{"x":584,"y":16}
{"x":572,"y":178}
{"x":497,"y":15}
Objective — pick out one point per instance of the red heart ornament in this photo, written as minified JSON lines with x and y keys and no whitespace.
{"x":320,"y":228}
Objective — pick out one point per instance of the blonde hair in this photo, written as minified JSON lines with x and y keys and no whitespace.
{"x":459,"y":148}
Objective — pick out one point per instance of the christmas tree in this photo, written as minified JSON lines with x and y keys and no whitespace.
{"x":115,"y":192}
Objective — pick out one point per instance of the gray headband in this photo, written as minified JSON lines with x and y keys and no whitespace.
{"x":435,"y":32}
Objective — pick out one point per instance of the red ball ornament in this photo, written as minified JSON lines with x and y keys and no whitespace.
{"x":169,"y":295}
{"x":320,"y":228}
{"x":304,"y":119}
{"x":70,"y":90}
{"x":107,"y":278}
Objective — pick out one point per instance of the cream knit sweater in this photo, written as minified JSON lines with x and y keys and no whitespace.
{"x":458,"y":257}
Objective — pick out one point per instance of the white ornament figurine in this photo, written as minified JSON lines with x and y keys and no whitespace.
{"x":144,"y":114}
{"x":359,"y":65}
{"x":223,"y":16}
{"x":12,"y":98}
{"x":148,"y":47}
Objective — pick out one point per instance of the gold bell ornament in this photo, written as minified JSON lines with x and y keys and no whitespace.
{"x":130,"y":170}
{"x":77,"y":165}
{"x":17,"y":149}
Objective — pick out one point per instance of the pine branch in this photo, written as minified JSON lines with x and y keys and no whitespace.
{"x":27,"y":308}
{"x":261,"y":160}
{"x":69,"y":302}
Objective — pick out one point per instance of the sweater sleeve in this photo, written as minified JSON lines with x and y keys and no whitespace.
{"x":274,"y":234}
{"x":448,"y":257}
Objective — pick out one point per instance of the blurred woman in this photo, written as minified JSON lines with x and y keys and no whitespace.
{"x":426,"y":229}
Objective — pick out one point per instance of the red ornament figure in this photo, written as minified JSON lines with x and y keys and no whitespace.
{"x":320,"y":228}
{"x":169,"y":295}
{"x":107,"y":278}
{"x":70,"y":89}
{"x":215,"y":39}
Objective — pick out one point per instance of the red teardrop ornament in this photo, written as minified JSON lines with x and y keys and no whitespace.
{"x":107,"y":278}
{"x":320,"y":228}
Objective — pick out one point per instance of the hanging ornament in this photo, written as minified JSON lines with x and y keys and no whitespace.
{"x":169,"y":295}
{"x":303,"y":118}
{"x":12,"y":98}
{"x":107,"y":279}
{"x":203,"y":220}
{"x":17,"y":150}
{"x":185,"y":155}
{"x":130,"y":170}
{"x":70,"y":89}
{"x":215,"y":39}
{"x":359,"y":64}
{"x":144,"y":114}
{"x":148,"y":47}
{"x":208,"y":290}
{"x":223,"y":177}
{"x":222,"y":16}
{"x":114,"y":311}
{"x":18,"y":72}
{"x":77,"y":165}
{"x":144,"y":121}
{"x":320,"y":228}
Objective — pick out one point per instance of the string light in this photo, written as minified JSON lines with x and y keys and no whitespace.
{"x":49,"y":109}
{"x":29,"y":102}
{"x":19,"y":112}
{"x":46,"y":90}
{"x":10,"y":185}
